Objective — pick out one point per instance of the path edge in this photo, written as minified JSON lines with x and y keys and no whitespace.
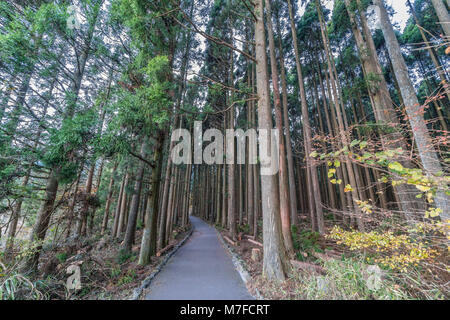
{"x":147,"y":281}
{"x":239,"y":264}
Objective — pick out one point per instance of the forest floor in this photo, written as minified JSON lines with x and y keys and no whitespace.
{"x":202,"y":269}
{"x":309,"y":246}
{"x":106,"y":272}
{"x":322,"y":269}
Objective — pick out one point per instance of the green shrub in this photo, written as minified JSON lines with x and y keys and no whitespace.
{"x":245,"y":228}
{"x":123,"y":256}
{"x":14,"y":285}
{"x":348,"y":279}
{"x":305,"y":241}
{"x":115,"y":271}
{"x":129,"y":277}
{"x":61,"y":256}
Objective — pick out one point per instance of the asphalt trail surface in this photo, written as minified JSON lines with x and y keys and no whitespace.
{"x":200,"y":270}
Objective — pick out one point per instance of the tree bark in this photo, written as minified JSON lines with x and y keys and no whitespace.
{"x":426,"y":150}
{"x":149,"y":237}
{"x":307,"y":129}
{"x":443,"y":15}
{"x":290,"y":157}
{"x":118,"y":206}
{"x":123,"y":207}
{"x":109,"y":198}
{"x":283,"y":182}
{"x":134,"y":208}
{"x":42,"y":221}
{"x":343,"y":137}
{"x":275,"y":262}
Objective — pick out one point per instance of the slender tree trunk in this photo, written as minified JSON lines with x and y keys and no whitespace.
{"x":15,"y":216}
{"x":275,"y":262}
{"x":42,"y":221}
{"x":231,"y":166}
{"x":310,"y":163}
{"x":185,"y":206}
{"x":224,"y":187}
{"x":443,"y":15}
{"x":71,"y":209}
{"x":219,"y":194}
{"x":283,"y":182}
{"x":134,"y":208}
{"x":82,"y":227}
{"x":241,"y":195}
{"x":344,"y":139}
{"x":123,"y":207}
{"x":427,"y":153}
{"x":97,"y":187}
{"x":109,"y":198}
{"x":118,"y":206}
{"x":149,"y":237}
{"x":290,"y":157}
{"x":165,"y":195}
{"x":250,"y":182}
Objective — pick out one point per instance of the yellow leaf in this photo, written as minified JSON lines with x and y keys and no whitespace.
{"x":396,"y":166}
{"x":423,"y":188}
{"x":314,"y":154}
{"x":435,"y":212}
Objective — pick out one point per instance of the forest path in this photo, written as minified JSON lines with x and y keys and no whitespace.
{"x":200,"y":270}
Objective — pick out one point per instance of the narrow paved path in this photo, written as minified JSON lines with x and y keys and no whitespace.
{"x":200,"y":270}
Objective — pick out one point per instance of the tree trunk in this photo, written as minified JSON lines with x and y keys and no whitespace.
{"x":118,"y":206}
{"x":290,"y":157}
{"x":427,"y":153}
{"x":433,"y":57}
{"x":42,"y":221}
{"x":307,"y":129}
{"x":134,"y":208}
{"x":123,"y":207}
{"x":149,"y":237}
{"x":275,"y":263}
{"x":109,"y":198}
{"x":343,"y":137}
{"x":71,"y":209}
{"x":443,"y":15}
{"x":283,"y":182}
{"x":82,"y":223}
{"x":231,"y":165}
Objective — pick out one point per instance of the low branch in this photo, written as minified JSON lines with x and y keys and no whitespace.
{"x":249,"y":9}
{"x":255,"y":242}
{"x":230,"y":241}
{"x":151,"y":164}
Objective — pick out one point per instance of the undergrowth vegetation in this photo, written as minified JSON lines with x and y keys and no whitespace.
{"x":346,"y":279}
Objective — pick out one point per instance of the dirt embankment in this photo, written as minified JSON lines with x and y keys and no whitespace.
{"x":105,"y":271}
